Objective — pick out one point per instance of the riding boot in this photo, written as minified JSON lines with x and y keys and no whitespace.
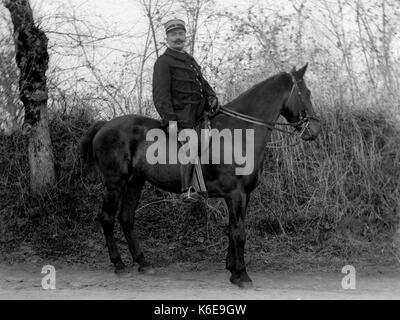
{"x":188,"y":193}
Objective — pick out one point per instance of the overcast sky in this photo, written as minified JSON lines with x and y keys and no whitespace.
{"x":121,"y":16}
{"x":126,"y":13}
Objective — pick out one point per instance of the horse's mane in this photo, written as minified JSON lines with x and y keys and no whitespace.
{"x":250,"y":92}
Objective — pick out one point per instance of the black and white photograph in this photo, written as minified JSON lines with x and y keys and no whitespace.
{"x":200,"y":155}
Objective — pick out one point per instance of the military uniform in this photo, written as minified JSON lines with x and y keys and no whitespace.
{"x":180,"y":92}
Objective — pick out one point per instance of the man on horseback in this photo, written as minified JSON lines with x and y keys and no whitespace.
{"x":180,"y":92}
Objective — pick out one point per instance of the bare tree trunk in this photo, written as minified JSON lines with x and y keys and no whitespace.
{"x":342,"y":43}
{"x":193,"y":17}
{"x":32,"y":60}
{"x":141,"y":71}
{"x":386,"y":42}
{"x":153,"y":31}
{"x":194,"y":9}
{"x":156,"y":12}
{"x":299,"y":35}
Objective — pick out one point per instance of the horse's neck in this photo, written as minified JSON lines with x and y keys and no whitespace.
{"x":264,"y":103}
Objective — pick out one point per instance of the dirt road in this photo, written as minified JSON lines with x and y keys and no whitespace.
{"x":23,"y":281}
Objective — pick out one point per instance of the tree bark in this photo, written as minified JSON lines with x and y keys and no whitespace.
{"x":32,"y":60}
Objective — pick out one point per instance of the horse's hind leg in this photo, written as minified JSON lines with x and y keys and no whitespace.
{"x":107,"y":220}
{"x":130,"y":201}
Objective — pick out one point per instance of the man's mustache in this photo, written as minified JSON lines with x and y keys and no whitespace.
{"x":179,"y":41}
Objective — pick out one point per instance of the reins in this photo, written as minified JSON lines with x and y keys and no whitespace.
{"x":270,"y":125}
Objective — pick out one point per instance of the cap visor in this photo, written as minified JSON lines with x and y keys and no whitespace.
{"x":175,"y":28}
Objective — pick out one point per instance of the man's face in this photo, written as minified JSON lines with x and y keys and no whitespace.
{"x":176,"y":39}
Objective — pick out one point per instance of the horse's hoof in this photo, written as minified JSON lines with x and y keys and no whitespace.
{"x":246,"y":284}
{"x":146,"y":270}
{"x":234,"y":279}
{"x":121,"y":269}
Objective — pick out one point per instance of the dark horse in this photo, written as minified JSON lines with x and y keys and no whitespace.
{"x":118,"y":148}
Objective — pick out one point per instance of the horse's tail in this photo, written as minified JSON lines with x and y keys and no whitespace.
{"x":86,"y":142}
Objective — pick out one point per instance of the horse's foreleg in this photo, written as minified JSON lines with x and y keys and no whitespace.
{"x":126,"y":218}
{"x":231,"y":258}
{"x":107,"y":219}
{"x":237,"y":205}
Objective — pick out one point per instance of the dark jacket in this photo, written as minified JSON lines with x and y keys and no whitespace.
{"x":180,"y":92}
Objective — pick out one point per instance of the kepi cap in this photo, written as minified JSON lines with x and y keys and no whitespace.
{"x":174,"y":24}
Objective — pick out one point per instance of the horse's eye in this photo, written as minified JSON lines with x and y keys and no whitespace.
{"x":308,"y":93}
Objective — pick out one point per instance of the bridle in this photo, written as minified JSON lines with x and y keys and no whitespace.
{"x":303,"y":122}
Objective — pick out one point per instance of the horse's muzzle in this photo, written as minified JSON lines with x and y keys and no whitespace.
{"x":311,"y":129}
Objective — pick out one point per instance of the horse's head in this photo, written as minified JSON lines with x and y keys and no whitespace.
{"x":298,"y":109}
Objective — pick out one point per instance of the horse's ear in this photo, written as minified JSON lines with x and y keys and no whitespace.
{"x":302,"y":71}
{"x":293,"y":70}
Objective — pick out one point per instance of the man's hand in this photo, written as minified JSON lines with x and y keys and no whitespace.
{"x":214,"y":105}
{"x":167,"y":119}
